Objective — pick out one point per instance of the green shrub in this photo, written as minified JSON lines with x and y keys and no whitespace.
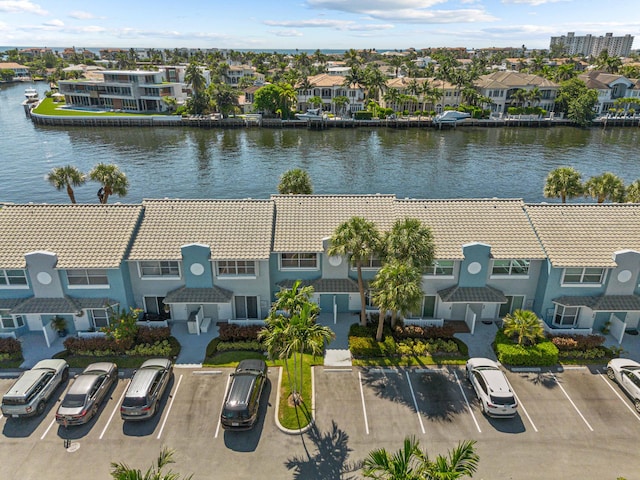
{"x":544,"y":353}
{"x":152,"y":334}
{"x":388,"y":346}
{"x":364,"y":347}
{"x":10,"y":346}
{"x":577,"y":342}
{"x":416,"y":331}
{"x":212,"y":348}
{"x":161,"y":349}
{"x":229,"y":332}
{"x":252,"y":345}
{"x":363,"y":115}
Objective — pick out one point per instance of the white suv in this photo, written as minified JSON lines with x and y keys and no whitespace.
{"x":492,"y":388}
{"x":627,"y":373}
{"x":29,"y":394}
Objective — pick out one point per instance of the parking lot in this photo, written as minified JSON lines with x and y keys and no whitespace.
{"x":571,"y":424}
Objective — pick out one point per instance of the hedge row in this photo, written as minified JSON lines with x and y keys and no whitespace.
{"x":363,"y":347}
{"x":542,"y":354}
{"x":10,"y":346}
{"x":577,"y":342}
{"x":415,"y":331}
{"x":229,"y":332}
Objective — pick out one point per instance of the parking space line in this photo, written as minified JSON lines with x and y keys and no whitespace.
{"x":225,"y":396}
{"x":467,"y":402}
{"x":166,"y":415}
{"x":524,"y":410}
{"x":569,"y":398}
{"x":415,"y":403}
{"x":48,"y":428}
{"x":364,"y":407}
{"x":608,"y":382}
{"x":115,"y":409}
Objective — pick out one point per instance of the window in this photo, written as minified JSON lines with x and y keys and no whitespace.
{"x":88,"y":276}
{"x":372,"y":262}
{"x":100,"y":318}
{"x":236,"y":267}
{"x":8,"y":321}
{"x":159,"y":269}
{"x":566,"y":316}
{"x":246,"y":307}
{"x":13,"y":277}
{"x":510,"y":267}
{"x":514,"y":302}
{"x":441,"y":268}
{"x":298,"y":261}
{"x":583,"y":275}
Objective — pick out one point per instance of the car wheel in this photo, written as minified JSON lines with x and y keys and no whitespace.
{"x":65,"y":374}
{"x":40,"y":408}
{"x":636,"y":403}
{"x":611,"y":374}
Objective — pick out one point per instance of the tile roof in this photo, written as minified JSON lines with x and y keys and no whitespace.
{"x":458,"y":294}
{"x":198,"y":295}
{"x":82,"y":236}
{"x":511,"y":79}
{"x":500,"y":223}
{"x":234,"y":229}
{"x":586,"y":235}
{"x":302,"y":221}
{"x":602,"y":303}
{"x":41,"y":305}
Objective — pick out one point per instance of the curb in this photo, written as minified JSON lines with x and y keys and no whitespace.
{"x":308,"y":427}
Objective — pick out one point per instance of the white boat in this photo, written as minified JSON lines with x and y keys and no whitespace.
{"x":451,"y":116}
{"x":311,"y":114}
{"x":31,"y":94}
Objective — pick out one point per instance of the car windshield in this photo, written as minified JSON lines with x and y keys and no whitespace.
{"x":74,"y":401}
{"x":507,"y":400}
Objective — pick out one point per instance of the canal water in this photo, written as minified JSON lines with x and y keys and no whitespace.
{"x":247,"y":163}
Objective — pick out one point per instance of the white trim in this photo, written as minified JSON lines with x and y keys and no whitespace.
{"x":159,"y":277}
{"x":289,"y":269}
{"x":603,"y":280}
{"x":237,"y":276}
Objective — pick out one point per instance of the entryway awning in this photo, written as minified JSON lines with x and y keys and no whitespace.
{"x":60,"y":305}
{"x":602,"y":303}
{"x":458,"y":294}
{"x":198,"y":295}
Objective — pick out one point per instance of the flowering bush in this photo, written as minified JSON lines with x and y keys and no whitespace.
{"x":229,"y":332}
{"x":577,"y":342}
{"x":152,"y":334}
{"x":415,"y":331}
{"x":10,"y":346}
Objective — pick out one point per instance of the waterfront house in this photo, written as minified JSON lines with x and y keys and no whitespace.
{"x":445,"y":94}
{"x":234,"y":74}
{"x":66,"y":261}
{"x":204,"y":258}
{"x":20,"y":72}
{"x":500,"y":87}
{"x":328,"y":87}
{"x":610,"y":87}
{"x":126,"y":90}
{"x":589,"y":281}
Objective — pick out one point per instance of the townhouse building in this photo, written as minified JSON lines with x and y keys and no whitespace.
{"x":500,"y":87}
{"x":126,"y":90}
{"x":202,"y":261}
{"x":328,"y":87}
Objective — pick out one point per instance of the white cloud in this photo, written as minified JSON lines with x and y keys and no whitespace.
{"x":21,"y":6}
{"x":434,"y":16}
{"x":533,"y":3}
{"x":54,"y":23}
{"x":365,"y":6}
{"x":343,"y":25}
{"x":287,"y":33}
{"x":80,"y":15}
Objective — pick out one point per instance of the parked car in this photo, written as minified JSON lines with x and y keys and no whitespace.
{"x":145,"y":390}
{"x":86,"y":393}
{"x":492,"y":388}
{"x":627,"y":374}
{"x":29,"y":394}
{"x":242,"y":402}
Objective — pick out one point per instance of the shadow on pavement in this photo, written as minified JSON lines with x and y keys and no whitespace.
{"x":330,"y":458}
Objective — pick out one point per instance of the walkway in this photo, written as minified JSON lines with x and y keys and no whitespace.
{"x":480,"y":342}
{"x":337,"y":352}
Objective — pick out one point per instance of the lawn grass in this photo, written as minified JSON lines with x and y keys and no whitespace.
{"x":48,"y":107}
{"x":13,"y":363}
{"x":408,"y":361}
{"x":231,"y":358}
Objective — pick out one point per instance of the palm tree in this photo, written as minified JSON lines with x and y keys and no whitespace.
{"x":360,"y":239}
{"x":563,"y":182}
{"x":295,"y":182}
{"x":391,"y":98}
{"x":340,"y":102}
{"x":411,"y":463}
{"x":120,"y":471}
{"x":67,"y":177}
{"x":605,"y":187}
{"x":193,"y":76}
{"x":525,"y":325}
{"x":410,"y":242}
{"x":519,"y":96}
{"x":632,"y":192}
{"x":396,"y":288}
{"x":113,"y":181}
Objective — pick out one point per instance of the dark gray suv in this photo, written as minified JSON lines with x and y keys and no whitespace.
{"x":241,"y":405}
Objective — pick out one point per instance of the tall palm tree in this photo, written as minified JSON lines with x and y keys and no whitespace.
{"x":605,"y":187}
{"x":113,"y":181}
{"x":411,"y":463}
{"x":295,"y":182}
{"x":396,"y":288}
{"x":411,"y":242}
{"x":359,"y":239}
{"x":67,"y":177}
{"x":563,"y":182}
{"x":523,"y":325}
{"x":121,"y":471}
{"x":193,"y":76}
{"x":391,"y":98}
{"x":341,"y":103}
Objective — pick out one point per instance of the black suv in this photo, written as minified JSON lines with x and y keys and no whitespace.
{"x":241,"y":405}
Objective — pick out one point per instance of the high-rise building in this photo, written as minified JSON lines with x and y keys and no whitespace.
{"x":589,"y":45}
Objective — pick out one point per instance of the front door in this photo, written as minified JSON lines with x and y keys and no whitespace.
{"x":514,"y":302}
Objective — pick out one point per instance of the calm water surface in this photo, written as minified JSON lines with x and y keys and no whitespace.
{"x":241,"y":163}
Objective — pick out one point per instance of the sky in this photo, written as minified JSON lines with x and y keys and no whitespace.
{"x":310,"y":24}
